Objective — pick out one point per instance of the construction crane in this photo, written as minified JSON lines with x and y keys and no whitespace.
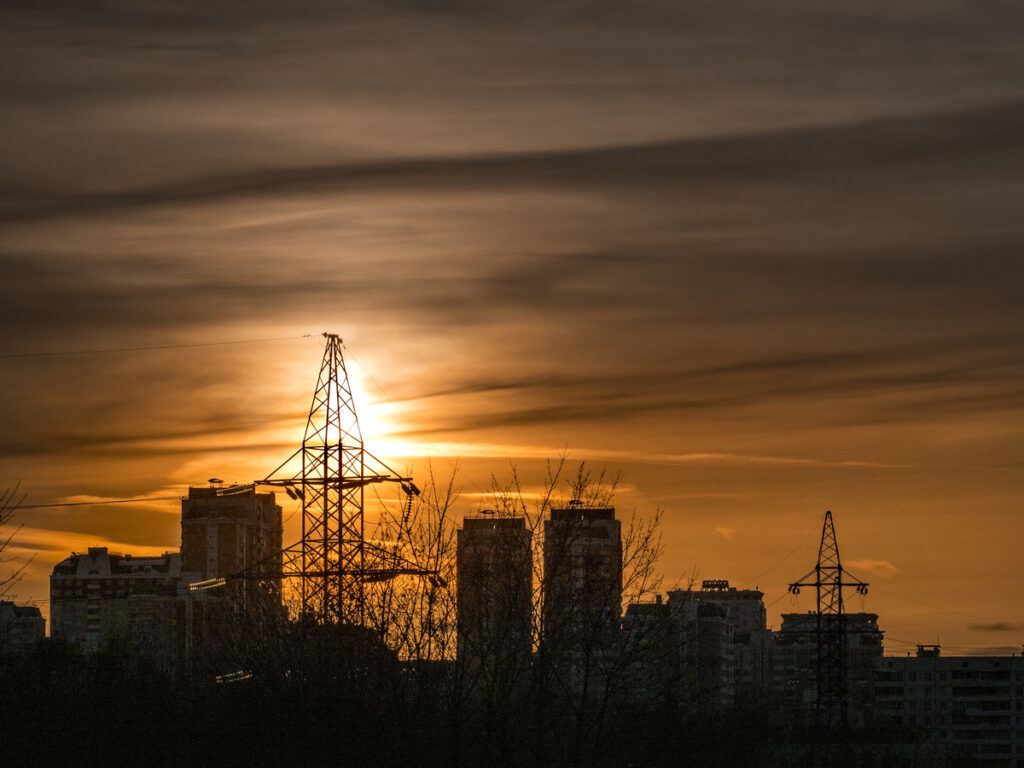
{"x":335,"y":561}
{"x":829,"y":578}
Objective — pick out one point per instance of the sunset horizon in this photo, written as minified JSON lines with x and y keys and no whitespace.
{"x":685,"y":342}
{"x":699,"y":543}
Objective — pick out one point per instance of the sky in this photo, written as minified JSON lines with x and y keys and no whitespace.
{"x":762,"y":258}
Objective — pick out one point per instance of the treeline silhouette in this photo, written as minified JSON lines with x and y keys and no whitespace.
{"x":361,"y":708}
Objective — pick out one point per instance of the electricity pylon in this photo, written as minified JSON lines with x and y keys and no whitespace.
{"x":334,"y":561}
{"x":827,"y":577}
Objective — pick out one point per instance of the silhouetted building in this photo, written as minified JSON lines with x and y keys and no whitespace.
{"x":144,"y":602}
{"x":973,"y":706}
{"x":745,"y":611}
{"x":225,"y":531}
{"x":683,"y":651}
{"x":582,"y":599}
{"x":494,"y":595}
{"x":795,"y":659}
{"x":707,"y":673}
{"x":99,"y":596}
{"x":21,"y":626}
{"x":651,"y":642}
{"x":743,"y":607}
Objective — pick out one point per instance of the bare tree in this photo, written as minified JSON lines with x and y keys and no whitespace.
{"x":10,"y":500}
{"x":582,"y":663}
{"x":511,"y":675}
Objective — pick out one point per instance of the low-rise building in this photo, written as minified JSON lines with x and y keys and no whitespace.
{"x":100,"y":596}
{"x":21,"y":626}
{"x":971,"y":705}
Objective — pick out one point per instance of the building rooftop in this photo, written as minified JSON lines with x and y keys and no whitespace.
{"x":492,"y":523}
{"x":21,"y":611}
{"x":579,"y":512}
{"x":98,"y":561}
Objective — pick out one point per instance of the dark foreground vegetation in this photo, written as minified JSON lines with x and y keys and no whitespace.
{"x":59,"y":707}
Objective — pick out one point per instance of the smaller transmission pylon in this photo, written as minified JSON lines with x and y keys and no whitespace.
{"x":829,"y":578}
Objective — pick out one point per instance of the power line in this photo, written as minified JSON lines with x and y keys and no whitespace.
{"x":941,"y":609}
{"x":103,"y":501}
{"x":62,"y":353}
{"x":792,"y":552}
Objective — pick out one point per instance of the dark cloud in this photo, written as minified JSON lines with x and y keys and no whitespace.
{"x":969,"y":375}
{"x":992,"y":650}
{"x":891,"y":146}
{"x":998,"y":626}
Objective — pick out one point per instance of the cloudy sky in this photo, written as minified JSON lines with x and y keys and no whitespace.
{"x":760,"y":257}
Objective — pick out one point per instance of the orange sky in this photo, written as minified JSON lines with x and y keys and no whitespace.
{"x":742,"y":488}
{"x":761,"y":258}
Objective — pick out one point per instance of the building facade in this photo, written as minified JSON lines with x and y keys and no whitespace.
{"x":100,"y":596}
{"x":225,"y":531}
{"x":795,"y":662}
{"x":652,"y":645}
{"x":750,"y":654}
{"x":582,"y":593}
{"x":22,"y":627}
{"x":972,"y":706}
{"x":494,"y":597}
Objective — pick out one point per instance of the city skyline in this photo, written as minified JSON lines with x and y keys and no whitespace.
{"x":761,"y":259}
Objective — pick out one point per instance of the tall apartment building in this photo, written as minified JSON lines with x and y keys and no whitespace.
{"x":795,"y":659}
{"x":684,"y":650}
{"x":100,"y":596}
{"x":651,"y":641}
{"x":582,"y":594}
{"x":494,"y":595}
{"x":745,"y":671}
{"x":225,"y":531}
{"x":971,"y":706}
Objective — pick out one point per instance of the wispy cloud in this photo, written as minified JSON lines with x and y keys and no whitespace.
{"x":787,"y":154}
{"x":511,"y":450}
{"x":882,"y":568}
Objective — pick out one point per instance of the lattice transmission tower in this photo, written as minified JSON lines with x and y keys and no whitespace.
{"x":829,"y":578}
{"x":334,"y":561}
